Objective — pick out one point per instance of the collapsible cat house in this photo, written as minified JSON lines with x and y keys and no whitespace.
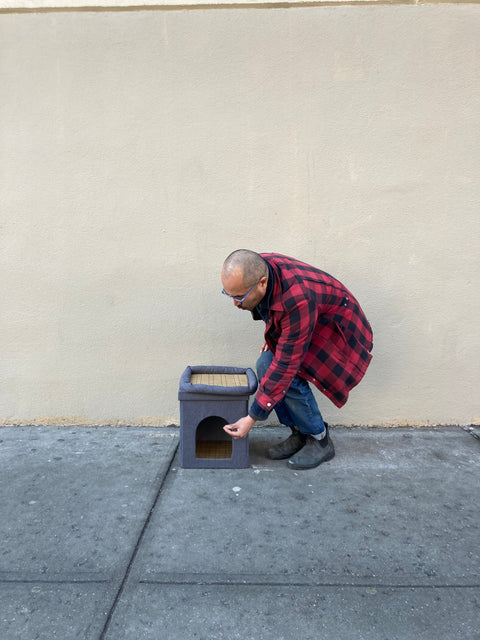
{"x":210,"y":398}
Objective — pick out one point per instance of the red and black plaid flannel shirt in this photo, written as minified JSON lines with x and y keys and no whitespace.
{"x":316,"y":330}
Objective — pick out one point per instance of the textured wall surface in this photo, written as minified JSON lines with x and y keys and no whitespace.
{"x":137,"y":149}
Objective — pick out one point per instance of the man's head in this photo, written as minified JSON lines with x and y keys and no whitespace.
{"x":245,"y":278}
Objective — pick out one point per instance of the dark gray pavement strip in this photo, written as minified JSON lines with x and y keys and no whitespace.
{"x":103,"y":537}
{"x":393,"y":507}
{"x":287,"y":613}
{"x":42,"y":611}
{"x":74,"y":500}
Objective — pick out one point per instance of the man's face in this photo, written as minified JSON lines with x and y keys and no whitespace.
{"x":234,"y":285}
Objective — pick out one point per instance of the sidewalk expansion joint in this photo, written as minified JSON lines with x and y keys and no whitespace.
{"x":316,"y":585}
{"x":236,"y":581}
{"x":137,"y":547}
{"x":472,"y":432}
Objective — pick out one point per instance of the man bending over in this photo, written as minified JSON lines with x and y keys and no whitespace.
{"x":315,"y":332}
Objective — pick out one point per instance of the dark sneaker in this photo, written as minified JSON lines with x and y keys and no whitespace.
{"x":288,"y":447}
{"x":312,"y":454}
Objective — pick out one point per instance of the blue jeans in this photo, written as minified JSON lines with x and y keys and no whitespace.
{"x":299,"y":407}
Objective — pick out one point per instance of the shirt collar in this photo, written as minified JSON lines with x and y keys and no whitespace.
{"x":263,"y":306}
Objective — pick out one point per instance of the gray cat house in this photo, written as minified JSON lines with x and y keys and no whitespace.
{"x":210,"y":398}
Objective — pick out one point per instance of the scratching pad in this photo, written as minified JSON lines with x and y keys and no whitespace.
{"x":220,"y":379}
{"x":213,"y":449}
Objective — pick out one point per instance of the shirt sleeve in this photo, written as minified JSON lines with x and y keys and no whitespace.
{"x":296,"y":329}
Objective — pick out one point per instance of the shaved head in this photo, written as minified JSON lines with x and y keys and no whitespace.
{"x":250,"y":264}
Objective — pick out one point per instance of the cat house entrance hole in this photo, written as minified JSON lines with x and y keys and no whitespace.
{"x":211,"y":441}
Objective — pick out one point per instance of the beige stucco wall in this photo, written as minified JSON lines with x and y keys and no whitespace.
{"x":139,"y":148}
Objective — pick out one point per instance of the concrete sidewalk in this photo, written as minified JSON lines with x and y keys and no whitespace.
{"x":103,"y":536}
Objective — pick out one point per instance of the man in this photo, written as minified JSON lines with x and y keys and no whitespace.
{"x":315,"y":332}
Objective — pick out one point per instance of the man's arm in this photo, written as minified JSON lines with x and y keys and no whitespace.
{"x":241,"y":428}
{"x":297,"y":327}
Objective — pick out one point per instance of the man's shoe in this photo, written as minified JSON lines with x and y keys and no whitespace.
{"x":288,"y":447}
{"x":312,"y":453}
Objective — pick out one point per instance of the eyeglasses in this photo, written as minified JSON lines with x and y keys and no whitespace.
{"x":238,"y":298}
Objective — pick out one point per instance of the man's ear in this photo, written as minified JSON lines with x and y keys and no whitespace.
{"x":263,"y":282}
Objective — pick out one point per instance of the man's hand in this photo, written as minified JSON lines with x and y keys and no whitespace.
{"x":264,"y":348}
{"x":240,"y":428}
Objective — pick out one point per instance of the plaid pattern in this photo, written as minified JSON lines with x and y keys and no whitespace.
{"x":317,"y":330}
